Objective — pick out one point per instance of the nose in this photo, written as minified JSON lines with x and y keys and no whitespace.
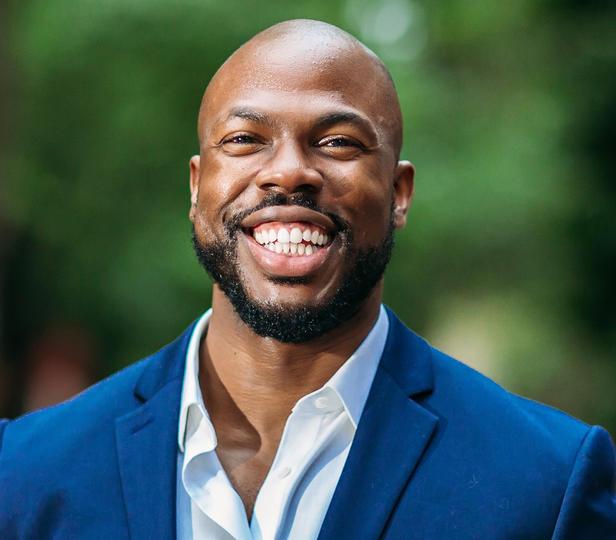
{"x":288,"y":170}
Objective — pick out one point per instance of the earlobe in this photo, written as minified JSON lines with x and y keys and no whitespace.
{"x":404,"y":185}
{"x":399,"y":217}
{"x":195,"y":172}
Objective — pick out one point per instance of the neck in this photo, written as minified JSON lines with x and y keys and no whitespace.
{"x":253,"y":382}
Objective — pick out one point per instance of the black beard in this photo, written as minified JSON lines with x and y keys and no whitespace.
{"x":295,"y":324}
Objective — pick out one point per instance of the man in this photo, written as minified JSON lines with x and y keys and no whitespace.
{"x":298,"y":407}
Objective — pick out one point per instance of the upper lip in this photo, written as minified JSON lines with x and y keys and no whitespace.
{"x":288,"y":214}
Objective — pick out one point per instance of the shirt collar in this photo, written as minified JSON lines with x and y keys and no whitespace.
{"x":192,"y":399}
{"x":351,"y":383}
{"x":354,"y":378}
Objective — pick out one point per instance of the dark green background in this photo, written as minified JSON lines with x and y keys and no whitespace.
{"x":509,"y":258}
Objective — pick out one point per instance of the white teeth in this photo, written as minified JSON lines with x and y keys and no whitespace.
{"x":283,"y":236}
{"x":290,"y":242}
{"x":296,"y":235}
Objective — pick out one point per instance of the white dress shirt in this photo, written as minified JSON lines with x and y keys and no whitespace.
{"x":296,"y":493}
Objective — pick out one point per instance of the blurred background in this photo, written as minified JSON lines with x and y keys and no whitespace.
{"x":509,"y":258}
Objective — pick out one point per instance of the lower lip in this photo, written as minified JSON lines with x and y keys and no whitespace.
{"x":281,"y":265}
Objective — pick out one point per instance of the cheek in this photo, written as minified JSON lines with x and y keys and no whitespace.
{"x":371,"y":215}
{"x":223,"y":179}
{"x":366,"y":199}
{"x":221,"y":184}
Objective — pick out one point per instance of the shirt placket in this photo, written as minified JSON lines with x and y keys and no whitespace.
{"x":209,"y":487}
{"x":313,"y":421}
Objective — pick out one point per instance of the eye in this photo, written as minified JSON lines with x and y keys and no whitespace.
{"x":240,"y":144}
{"x":240,"y":139}
{"x":337,"y":142}
{"x":341,"y":147}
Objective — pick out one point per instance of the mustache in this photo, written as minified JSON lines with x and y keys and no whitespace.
{"x":233,"y":225}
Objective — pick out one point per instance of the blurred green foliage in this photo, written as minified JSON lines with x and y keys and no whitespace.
{"x":509,"y":257}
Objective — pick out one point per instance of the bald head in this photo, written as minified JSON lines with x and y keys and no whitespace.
{"x":306,"y":55}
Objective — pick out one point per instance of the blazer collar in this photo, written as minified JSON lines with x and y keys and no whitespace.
{"x":146,"y":443}
{"x":163,"y":366}
{"x":407,"y":358}
{"x":393,"y":434}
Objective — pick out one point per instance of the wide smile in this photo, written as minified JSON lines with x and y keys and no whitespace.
{"x":289,"y":241}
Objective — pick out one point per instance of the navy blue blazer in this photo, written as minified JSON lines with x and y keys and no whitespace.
{"x":441,"y":452}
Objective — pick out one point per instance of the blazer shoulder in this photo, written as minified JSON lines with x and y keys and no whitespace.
{"x":484,"y":421}
{"x":481,"y":397}
{"x":546,"y":464}
{"x":497,"y":461}
{"x":462,"y":397}
{"x":53,"y":459}
{"x":74,"y":418}
{"x":588,"y":509}
{"x":40,"y":449}
{"x":96,"y":408}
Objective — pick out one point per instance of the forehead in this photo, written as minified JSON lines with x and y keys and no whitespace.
{"x":305,"y":79}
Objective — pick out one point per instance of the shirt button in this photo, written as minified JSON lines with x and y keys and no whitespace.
{"x":321,"y":403}
{"x":284,"y":472}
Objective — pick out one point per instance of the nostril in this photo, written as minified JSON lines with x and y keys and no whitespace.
{"x":269,"y":186}
{"x":307,"y":188}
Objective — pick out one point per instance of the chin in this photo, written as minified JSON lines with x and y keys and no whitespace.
{"x":295,"y":308}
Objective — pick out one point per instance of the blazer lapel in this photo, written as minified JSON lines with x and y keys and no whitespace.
{"x":391,"y":437}
{"x":146,"y":441}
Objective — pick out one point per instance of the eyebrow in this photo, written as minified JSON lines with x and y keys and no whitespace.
{"x":343,"y":117}
{"x":324,"y":121}
{"x":249,"y":114}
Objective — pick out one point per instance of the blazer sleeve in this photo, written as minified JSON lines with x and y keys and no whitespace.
{"x":588,"y":509}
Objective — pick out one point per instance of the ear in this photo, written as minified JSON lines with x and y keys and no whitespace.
{"x":404,"y":185}
{"x":195,"y":173}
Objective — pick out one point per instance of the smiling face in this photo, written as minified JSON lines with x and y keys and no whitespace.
{"x":298,"y":185}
